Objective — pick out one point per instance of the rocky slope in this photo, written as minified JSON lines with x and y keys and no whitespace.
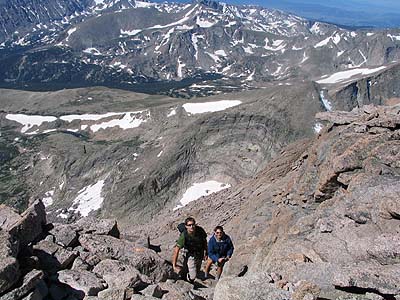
{"x":321,"y":221}
{"x":144,"y":156}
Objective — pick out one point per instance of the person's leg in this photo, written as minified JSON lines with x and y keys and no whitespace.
{"x":208,"y":267}
{"x":192,"y":269}
{"x":220,"y":267}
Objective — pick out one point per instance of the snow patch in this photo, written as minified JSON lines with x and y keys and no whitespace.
{"x":327,"y":104}
{"x":198,"y":190}
{"x":344,"y":75}
{"x":318,"y":127}
{"x":199,"y":108}
{"x":130,"y":32}
{"x":88,"y":199}
{"x":172,"y":113}
{"x":28,"y":121}
{"x":48,"y":198}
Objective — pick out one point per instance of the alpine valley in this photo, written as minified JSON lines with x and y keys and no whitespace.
{"x":120,"y":118}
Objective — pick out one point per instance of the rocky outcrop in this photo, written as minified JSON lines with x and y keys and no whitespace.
{"x":73,"y":261}
{"x":334,"y":222}
{"x":319,"y":222}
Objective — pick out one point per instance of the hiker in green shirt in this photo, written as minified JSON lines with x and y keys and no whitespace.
{"x":194,"y":242}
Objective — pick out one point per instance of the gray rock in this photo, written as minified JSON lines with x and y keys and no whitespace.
{"x":143,"y":259}
{"x":84,"y":283}
{"x":247,"y":288}
{"x":153,"y":290}
{"x":9,"y":266}
{"x":385,"y":249}
{"x":30,"y":281}
{"x":97,"y":226}
{"x":118,"y":275}
{"x":65,"y":235}
{"x":9,"y":272}
{"x":30,"y":226}
{"x":52,"y":256}
{"x":142,"y":297}
{"x":178,"y":290}
{"x":383,"y":279}
{"x":8,"y":217}
{"x":40,"y":292}
{"x":112,"y":294}
{"x":79,"y":264}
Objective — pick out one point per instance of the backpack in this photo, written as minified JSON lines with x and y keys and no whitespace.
{"x":182,"y":229}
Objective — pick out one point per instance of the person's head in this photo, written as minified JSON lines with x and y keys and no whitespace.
{"x":219,"y":232}
{"x":190,"y":224}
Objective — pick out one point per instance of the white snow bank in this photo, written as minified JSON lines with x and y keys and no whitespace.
{"x":199,"y":108}
{"x":318,"y":127}
{"x":327,"y":104}
{"x":128,"y":121}
{"x":172,"y":113}
{"x":48,"y":198}
{"x":198,"y":190}
{"x":29,"y":120}
{"x":344,"y":75}
{"x":89,"y":199}
{"x":124,"y":120}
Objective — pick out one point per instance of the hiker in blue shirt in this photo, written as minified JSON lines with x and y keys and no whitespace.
{"x":220,"y":249}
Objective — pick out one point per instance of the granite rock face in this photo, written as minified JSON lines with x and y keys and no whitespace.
{"x":72,"y":261}
{"x":320,"y":221}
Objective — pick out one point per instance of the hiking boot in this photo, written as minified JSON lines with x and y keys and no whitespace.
{"x":206,"y":276}
{"x":189,"y":279}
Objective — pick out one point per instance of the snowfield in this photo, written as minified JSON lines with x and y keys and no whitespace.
{"x":200,"y":108}
{"x":345,"y":75}
{"x":123,"y":120}
{"x":89,"y":199}
{"x":198,"y":190}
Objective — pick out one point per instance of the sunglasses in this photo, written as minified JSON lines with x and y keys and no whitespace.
{"x":190,"y":225}
{"x":218,"y":232}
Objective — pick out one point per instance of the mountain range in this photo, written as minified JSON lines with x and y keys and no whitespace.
{"x":175,"y":49}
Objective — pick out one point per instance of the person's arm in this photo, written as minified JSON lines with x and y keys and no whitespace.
{"x":231,"y":248}
{"x":175,"y":258}
{"x":179,"y":244}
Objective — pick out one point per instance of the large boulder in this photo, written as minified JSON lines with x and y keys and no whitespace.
{"x":30,"y":282}
{"x":65,"y":234}
{"x":249,"y":287}
{"x":119,"y":275}
{"x":30,"y":226}
{"x":9,"y":267}
{"x":8,"y":217}
{"x":53,"y":257}
{"x":145,"y":260}
{"x":83,"y":283}
{"x":97,"y":226}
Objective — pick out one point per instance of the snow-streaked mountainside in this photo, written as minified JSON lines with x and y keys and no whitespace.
{"x":175,"y":48}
